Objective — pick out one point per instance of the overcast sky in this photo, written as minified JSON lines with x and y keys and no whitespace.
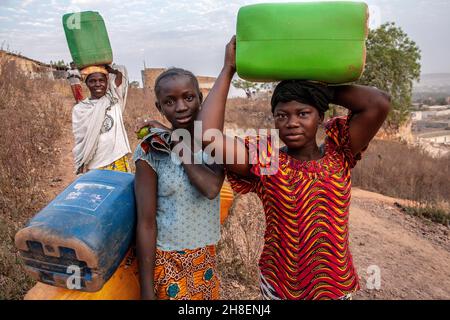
{"x":192,"y":33}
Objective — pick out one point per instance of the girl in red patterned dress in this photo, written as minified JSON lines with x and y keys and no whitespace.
{"x":306,"y":198}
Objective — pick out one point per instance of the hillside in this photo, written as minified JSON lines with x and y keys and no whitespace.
{"x":433,"y":80}
{"x":434,"y":84}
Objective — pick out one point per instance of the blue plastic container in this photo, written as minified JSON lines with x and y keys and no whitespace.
{"x":90,"y":225}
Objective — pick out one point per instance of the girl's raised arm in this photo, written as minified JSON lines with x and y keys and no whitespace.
{"x":369,"y":107}
{"x":213,"y":109}
{"x":212,"y":113}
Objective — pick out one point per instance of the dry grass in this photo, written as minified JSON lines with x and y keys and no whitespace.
{"x":245,"y":113}
{"x":239,"y":248}
{"x":31,"y":123}
{"x":398,"y":170}
{"x":432,"y":213}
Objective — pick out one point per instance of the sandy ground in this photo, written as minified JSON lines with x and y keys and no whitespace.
{"x":413,"y":255}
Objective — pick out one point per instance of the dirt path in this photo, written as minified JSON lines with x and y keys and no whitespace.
{"x":413,"y":255}
{"x":63,"y":173}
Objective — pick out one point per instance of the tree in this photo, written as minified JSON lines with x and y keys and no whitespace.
{"x":392,"y":65}
{"x":252,"y":87}
{"x":441,"y":101}
{"x":60,"y":64}
{"x":268,"y":86}
{"x":245,"y":85}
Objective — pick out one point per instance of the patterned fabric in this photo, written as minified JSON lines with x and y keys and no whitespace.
{"x":159,"y":140}
{"x":269,"y":293}
{"x":185,"y":218}
{"x":186,"y":274}
{"x":306,"y":250}
{"x":118,"y":165}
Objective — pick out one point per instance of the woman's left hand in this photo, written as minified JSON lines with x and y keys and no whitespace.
{"x":110,"y":69}
{"x":230,"y":54}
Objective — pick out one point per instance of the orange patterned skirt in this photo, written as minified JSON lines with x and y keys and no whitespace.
{"x":118,"y":165}
{"x":187,"y":274}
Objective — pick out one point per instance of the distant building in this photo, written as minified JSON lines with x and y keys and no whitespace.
{"x":149,"y":76}
{"x":442,"y":137}
{"x":437,"y":108}
{"x":417,"y":115}
{"x":436,"y":111}
{"x":33,"y":68}
{"x":205,"y":84}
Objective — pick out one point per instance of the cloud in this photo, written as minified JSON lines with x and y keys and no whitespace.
{"x":35,"y":24}
{"x":90,"y":2}
{"x":180,"y":32}
{"x":16,"y":10}
{"x":26,"y":3}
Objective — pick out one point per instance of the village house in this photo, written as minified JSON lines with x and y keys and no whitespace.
{"x":441,"y":137}
{"x":430,"y":112}
{"x":32,"y":68}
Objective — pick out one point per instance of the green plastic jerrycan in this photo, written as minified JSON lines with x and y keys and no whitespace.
{"x":321,"y":41}
{"x":87,"y":38}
